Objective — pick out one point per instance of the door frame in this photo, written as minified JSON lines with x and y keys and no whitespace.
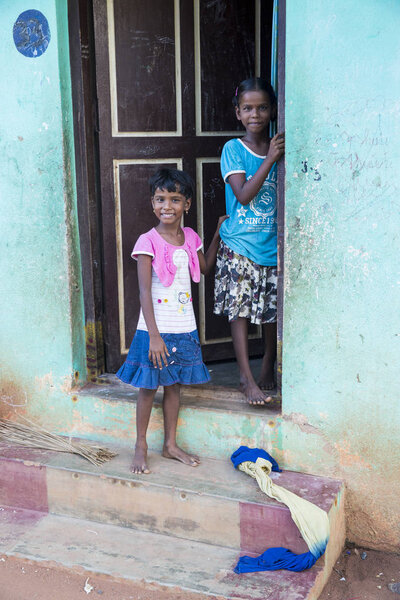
{"x":281,"y":187}
{"x":87,"y":165}
{"x":87,"y":169}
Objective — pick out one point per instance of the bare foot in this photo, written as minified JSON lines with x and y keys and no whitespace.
{"x":253,"y":393}
{"x":267,"y":375}
{"x":266,"y":383}
{"x":178,"y":454}
{"x":139,"y":463}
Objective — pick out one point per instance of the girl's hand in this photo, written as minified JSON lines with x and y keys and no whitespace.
{"x":276,"y":147}
{"x":207,"y":261}
{"x":158,"y":352}
{"x":220,"y":221}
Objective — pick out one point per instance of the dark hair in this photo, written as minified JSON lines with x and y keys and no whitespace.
{"x":172,"y":180}
{"x":252,"y":85}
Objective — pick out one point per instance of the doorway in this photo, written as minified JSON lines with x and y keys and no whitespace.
{"x":165,"y":74}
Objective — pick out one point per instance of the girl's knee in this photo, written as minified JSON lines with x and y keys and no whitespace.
{"x":146,"y":394}
{"x":175,"y":387}
{"x":172,"y":390}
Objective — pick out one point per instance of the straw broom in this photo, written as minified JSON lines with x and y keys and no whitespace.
{"x":35,"y":436}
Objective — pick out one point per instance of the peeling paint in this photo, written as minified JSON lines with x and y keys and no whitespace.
{"x":67,"y":384}
{"x":301,"y":421}
{"x":45,"y":381}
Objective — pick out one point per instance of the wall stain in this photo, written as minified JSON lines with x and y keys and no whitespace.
{"x":178,"y":523}
{"x":95,"y":363}
{"x":12,"y":397}
{"x":347,"y":458}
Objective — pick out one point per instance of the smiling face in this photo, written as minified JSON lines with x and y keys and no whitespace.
{"x":255,"y":111}
{"x":169,"y":206}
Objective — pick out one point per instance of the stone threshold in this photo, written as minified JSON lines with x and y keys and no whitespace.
{"x":109,"y":387}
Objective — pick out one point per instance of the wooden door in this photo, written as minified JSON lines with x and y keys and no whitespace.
{"x":166,"y":72}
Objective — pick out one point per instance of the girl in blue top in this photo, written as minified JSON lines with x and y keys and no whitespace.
{"x":246,"y":273}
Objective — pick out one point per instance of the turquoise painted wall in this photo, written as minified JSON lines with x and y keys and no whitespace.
{"x":41,"y":325}
{"x":341,"y":346}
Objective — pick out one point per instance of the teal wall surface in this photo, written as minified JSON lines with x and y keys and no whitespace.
{"x":341,"y":341}
{"x":41,"y":325}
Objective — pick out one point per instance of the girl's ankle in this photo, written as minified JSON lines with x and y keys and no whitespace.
{"x":141,"y":444}
{"x":246,"y":379}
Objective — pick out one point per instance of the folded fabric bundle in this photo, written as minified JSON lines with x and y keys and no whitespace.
{"x":311,"y":520}
{"x":245,"y":454}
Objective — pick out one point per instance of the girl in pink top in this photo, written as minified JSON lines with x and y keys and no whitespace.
{"x":166,"y":349}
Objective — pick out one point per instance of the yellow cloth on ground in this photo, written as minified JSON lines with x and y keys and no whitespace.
{"x":312,"y":521}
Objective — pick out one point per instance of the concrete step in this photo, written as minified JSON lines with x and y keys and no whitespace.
{"x":213,"y":420}
{"x":166,"y":563}
{"x":212,"y":503}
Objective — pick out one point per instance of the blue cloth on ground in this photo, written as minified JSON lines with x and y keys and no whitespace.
{"x":274,"y":559}
{"x":244,"y":453}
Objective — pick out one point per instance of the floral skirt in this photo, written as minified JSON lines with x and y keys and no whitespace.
{"x":185,"y":363}
{"x":243,"y":288}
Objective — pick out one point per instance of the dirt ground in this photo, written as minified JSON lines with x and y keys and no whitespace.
{"x":363,"y":579}
{"x":25,"y":580}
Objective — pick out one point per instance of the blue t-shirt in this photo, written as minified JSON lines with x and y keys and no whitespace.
{"x":251,"y":230}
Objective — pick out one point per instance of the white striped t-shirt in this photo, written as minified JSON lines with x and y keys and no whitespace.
{"x":173,"y":305}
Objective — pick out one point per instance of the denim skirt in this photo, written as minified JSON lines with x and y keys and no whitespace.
{"x":185,"y":362}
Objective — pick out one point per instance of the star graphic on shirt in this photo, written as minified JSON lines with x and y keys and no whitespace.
{"x":241,"y":221}
{"x":241,"y":212}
